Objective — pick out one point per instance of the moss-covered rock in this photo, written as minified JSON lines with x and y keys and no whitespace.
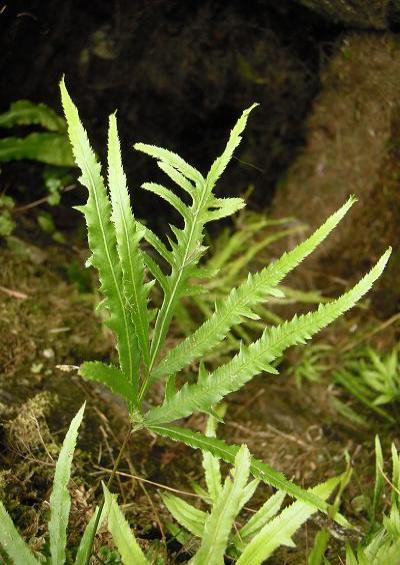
{"x":364,"y":14}
{"x":352,"y":147}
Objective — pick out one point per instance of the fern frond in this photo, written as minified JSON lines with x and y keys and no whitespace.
{"x":110,"y":376}
{"x":258,"y":469}
{"x":191,"y":518}
{"x":128,"y":236}
{"x":258,"y":356}
{"x":281,"y":529}
{"x":169,"y":197}
{"x":263,"y":515}
{"x":170,"y":159}
{"x":187,"y":248}
{"x":122,"y":534}
{"x":220,"y":164}
{"x":85,"y":545}
{"x":223,"y":207}
{"x":227,"y":506}
{"x":12,"y":543}
{"x":60,"y":500}
{"x":212,"y":471}
{"x":241,"y":301}
{"x":102,"y":241}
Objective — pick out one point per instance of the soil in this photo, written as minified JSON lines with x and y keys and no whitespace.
{"x":47,"y":319}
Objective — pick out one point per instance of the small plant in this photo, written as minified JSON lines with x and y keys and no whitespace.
{"x":50,"y":147}
{"x":60,"y":502}
{"x":312,"y":364}
{"x":123,"y":265}
{"x":219,"y":534}
{"x":381,"y":544}
{"x":372,"y":378}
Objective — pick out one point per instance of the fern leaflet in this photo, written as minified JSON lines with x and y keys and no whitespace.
{"x":240,"y":301}
{"x":102,"y":242}
{"x":258,"y":356}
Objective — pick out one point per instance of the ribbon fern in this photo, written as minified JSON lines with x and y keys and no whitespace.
{"x":127,"y":273}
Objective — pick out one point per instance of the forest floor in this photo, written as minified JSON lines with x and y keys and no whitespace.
{"x":48,"y":319}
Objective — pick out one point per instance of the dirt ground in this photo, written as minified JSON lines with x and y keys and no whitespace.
{"x":47,"y":319}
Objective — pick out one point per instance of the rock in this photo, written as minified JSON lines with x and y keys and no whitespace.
{"x":364,"y":14}
{"x":352,"y":147}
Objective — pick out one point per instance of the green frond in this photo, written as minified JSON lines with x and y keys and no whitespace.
{"x":60,"y":500}
{"x":226,"y":507}
{"x":280,"y":530}
{"x":171,"y":159}
{"x":128,"y":234}
{"x":12,"y":543}
{"x":102,"y":241}
{"x":122,"y":534}
{"x":186,"y":246}
{"x":263,"y":515}
{"x":85,"y":545}
{"x":223,"y":207}
{"x":191,"y":518}
{"x":27,"y":113}
{"x":227,"y":452}
{"x":169,"y":197}
{"x":157,"y":273}
{"x":211,"y":466}
{"x":178,"y":178}
{"x":109,"y":376}
{"x":317,"y":553}
{"x":258,"y":356}
{"x":220,"y":164}
{"x":241,"y":301}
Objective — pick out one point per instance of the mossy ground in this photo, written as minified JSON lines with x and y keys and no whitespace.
{"x":46,"y":321}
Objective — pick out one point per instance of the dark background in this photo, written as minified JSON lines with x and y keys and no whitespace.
{"x":179,"y":73}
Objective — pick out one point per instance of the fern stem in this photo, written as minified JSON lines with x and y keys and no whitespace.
{"x":109,"y":483}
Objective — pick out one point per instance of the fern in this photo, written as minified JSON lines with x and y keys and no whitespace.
{"x":258,"y":356}
{"x":255,"y":540}
{"x":240,"y":302}
{"x":103,"y":243}
{"x":115,"y":239}
{"x":123,"y":536}
{"x":187,"y":248}
{"x":60,"y":503}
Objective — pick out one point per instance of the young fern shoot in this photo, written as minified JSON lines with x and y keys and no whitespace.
{"x":124,"y":268}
